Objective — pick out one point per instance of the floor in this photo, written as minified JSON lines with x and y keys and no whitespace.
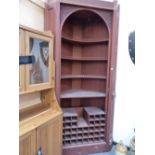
{"x":112,"y":152}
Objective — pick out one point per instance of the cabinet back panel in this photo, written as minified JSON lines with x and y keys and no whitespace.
{"x":28,"y":100}
{"x":85,"y":84}
{"x":95,"y":50}
{"x":67,"y":49}
{"x":66,"y":85}
{"x":77,"y":30}
{"x":66,"y":68}
{"x":95,"y":28}
{"x":84,"y":68}
{"x":68,"y":29}
{"x":94,"y":85}
{"x":85,"y":102}
{"x":94,"y":68}
{"x":99,"y":102}
{"x":87,"y":26}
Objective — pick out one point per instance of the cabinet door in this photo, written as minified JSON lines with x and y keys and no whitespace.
{"x":21,"y":67}
{"x":38,"y":72}
{"x":27,"y":144}
{"x":49,"y":137}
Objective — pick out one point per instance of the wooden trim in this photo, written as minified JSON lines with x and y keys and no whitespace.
{"x":112,"y":73}
{"x":43,"y":33}
{"x":36,"y":87}
{"x":88,"y":3}
{"x":21,"y":67}
{"x":31,"y":91}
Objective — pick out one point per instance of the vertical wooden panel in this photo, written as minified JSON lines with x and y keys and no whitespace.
{"x":21,"y":67}
{"x":27,"y":144}
{"x":77,"y":51}
{"x":49,"y":137}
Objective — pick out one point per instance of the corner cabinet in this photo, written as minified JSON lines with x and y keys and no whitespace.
{"x":85,"y":56}
{"x":40,"y":116}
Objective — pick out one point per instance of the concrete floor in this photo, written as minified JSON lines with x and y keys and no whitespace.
{"x":112,"y":152}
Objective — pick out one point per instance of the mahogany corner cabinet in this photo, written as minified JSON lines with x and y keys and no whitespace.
{"x":86,"y":33}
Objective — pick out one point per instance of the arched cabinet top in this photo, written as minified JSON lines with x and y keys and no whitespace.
{"x":67,"y":11}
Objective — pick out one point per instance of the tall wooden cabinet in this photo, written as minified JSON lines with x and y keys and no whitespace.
{"x":85,"y":55}
{"x":40,"y":117}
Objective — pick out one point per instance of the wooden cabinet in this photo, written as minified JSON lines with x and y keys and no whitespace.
{"x":85,"y":55}
{"x":46,"y":137}
{"x":40,"y":117}
{"x":38,"y":74}
{"x":36,"y":51}
{"x":36,"y":69}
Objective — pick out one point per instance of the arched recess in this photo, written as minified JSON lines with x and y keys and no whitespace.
{"x":85,"y":16}
{"x":84,"y":59}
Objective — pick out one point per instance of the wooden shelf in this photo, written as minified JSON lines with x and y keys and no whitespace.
{"x":83,"y":77}
{"x":84,"y":41}
{"x":84,"y":59}
{"x":79,"y":93}
{"x":82,"y":122}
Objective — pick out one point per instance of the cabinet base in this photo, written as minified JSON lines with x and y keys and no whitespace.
{"x":86,"y":149}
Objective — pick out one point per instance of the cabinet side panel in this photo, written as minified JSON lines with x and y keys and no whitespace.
{"x":112,"y":75}
{"x":52,"y":23}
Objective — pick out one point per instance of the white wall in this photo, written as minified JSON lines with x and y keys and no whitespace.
{"x":124,"y":115}
{"x":33,"y":16}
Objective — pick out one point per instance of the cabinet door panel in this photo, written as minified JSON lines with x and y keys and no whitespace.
{"x":49,"y":137}
{"x":38,"y":73}
{"x":27,"y":144}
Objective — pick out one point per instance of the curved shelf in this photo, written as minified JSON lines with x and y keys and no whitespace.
{"x":80,"y":93}
{"x":83,"y":77}
{"x":84,"y":59}
{"x":84,"y":41}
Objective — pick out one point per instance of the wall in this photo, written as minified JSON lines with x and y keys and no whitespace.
{"x":124,"y":115}
{"x":31,"y":13}
{"x":33,"y":16}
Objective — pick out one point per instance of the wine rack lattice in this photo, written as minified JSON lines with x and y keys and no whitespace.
{"x":85,"y":129}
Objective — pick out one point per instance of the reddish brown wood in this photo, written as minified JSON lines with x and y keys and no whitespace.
{"x":86,"y":149}
{"x":88,"y":3}
{"x":112,"y":79}
{"x":85,"y":56}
